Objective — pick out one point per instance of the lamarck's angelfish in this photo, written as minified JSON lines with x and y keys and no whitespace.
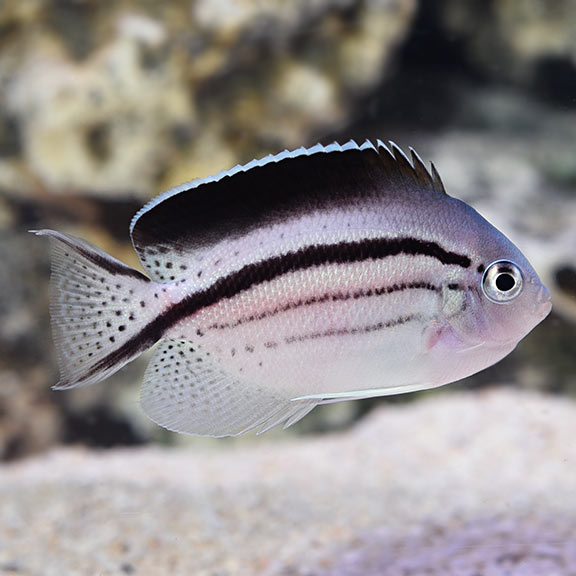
{"x":323,"y":274}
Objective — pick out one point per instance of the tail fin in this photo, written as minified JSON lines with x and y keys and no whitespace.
{"x":98,"y":307}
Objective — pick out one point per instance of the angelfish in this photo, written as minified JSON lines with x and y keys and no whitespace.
{"x":322,"y":274}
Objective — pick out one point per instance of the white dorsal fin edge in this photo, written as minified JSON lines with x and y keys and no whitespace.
{"x":392,"y":149}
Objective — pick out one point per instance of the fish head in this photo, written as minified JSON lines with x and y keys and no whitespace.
{"x":514,"y":300}
{"x":499,"y":300}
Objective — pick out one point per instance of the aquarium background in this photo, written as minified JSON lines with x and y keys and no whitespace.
{"x":105,"y":104}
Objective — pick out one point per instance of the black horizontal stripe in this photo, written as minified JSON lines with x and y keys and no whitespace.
{"x":328,"y":297}
{"x":277,"y":191}
{"x":356,"y":330}
{"x":113,"y":267}
{"x":272,"y":268}
{"x":100,"y":260}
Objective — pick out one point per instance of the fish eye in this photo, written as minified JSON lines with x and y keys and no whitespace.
{"x":502,"y":281}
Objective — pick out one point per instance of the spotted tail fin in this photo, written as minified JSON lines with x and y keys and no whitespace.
{"x":98,"y":307}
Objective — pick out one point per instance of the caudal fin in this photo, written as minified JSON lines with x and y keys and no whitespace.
{"x":98,"y":307}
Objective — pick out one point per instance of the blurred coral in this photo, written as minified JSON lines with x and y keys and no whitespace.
{"x":512,"y":39}
{"x":123,"y":99}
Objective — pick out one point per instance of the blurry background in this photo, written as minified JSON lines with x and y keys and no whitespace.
{"x":105,"y":104}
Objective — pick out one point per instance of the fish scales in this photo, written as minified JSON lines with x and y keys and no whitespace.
{"x":308,"y":277}
{"x":274,"y":327}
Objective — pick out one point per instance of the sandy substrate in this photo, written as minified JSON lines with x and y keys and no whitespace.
{"x":460,"y":484}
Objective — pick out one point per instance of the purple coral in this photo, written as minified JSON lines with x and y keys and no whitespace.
{"x":491,"y":547}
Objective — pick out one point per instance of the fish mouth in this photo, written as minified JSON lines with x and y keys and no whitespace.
{"x":543,"y":302}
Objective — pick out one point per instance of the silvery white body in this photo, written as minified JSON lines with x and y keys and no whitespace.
{"x":358,"y":278}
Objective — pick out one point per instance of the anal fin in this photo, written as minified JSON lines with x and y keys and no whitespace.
{"x":186,"y":390}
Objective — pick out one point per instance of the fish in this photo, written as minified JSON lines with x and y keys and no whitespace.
{"x":318,"y":275}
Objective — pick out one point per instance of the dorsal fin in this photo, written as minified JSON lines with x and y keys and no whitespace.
{"x":198,"y":214}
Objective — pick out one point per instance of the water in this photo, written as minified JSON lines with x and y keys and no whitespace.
{"x":102,"y":107}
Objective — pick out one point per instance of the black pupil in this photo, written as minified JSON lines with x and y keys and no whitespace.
{"x":505,"y":282}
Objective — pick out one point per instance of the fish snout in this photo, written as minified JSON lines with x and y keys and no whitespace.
{"x":543,"y":301}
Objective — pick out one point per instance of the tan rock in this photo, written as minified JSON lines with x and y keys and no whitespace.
{"x":118,"y":99}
